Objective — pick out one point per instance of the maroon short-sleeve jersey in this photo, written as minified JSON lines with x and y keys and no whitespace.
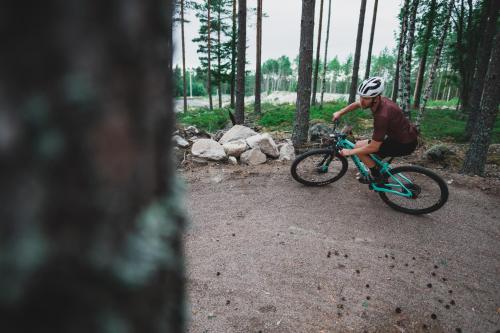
{"x":389,"y":120}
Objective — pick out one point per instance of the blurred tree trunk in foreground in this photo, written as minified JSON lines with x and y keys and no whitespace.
{"x":90,"y":229}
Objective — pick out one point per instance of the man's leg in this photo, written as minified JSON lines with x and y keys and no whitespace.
{"x":365,"y":158}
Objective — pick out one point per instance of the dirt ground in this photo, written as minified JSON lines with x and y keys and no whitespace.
{"x":267,"y":254}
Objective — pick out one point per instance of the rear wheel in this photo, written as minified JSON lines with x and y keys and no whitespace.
{"x":318,"y":167}
{"x":429,"y":192}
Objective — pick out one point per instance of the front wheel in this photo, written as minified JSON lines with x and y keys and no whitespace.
{"x":318,"y":167}
{"x":425,"y":191}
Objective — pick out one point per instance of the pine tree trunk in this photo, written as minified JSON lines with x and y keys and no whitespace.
{"x":357,"y":54}
{"x":240,"y":76}
{"x":318,"y":49}
{"x":369,"y":57}
{"x":258,"y":58}
{"x":475,"y":158}
{"x":483,"y":56}
{"x":91,"y":226}
{"x":423,"y":61}
{"x":323,"y":79}
{"x":233,"y":57}
{"x":184,"y":85}
{"x":435,"y":65}
{"x":301,"y":124}
{"x":406,"y":107}
{"x":219,"y":74}
{"x":209,"y":72}
{"x":396,"y":89}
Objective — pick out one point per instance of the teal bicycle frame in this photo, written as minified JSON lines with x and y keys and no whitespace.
{"x":397,"y":188}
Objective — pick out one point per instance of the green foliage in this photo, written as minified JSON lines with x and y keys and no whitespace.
{"x":449,"y":125}
{"x":205,"y":119}
{"x":438,"y":124}
{"x":436,"y":104}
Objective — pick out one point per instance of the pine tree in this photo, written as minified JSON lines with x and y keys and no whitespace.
{"x":357,"y":54}
{"x":435,"y":64}
{"x":318,"y":49}
{"x":405,"y":101}
{"x":301,"y":124}
{"x":240,"y":75}
{"x":369,"y":57}
{"x":489,"y":18}
{"x":475,"y":157}
{"x":398,"y":84}
{"x":323,"y":79}
{"x":429,"y":23}
{"x":258,"y":75}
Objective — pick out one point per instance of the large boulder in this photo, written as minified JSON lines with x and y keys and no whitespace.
{"x":265,"y":143}
{"x":235,"y":148}
{"x":287,"y":152}
{"x":318,"y":131}
{"x":208,"y":149}
{"x":237,"y":132}
{"x":253,"y":157}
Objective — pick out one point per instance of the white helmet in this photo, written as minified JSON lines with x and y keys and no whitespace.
{"x":371,"y":87}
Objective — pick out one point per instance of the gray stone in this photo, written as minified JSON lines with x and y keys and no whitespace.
{"x":253,"y":157}
{"x":191,"y":130}
{"x":265,"y":143}
{"x":218,"y":135}
{"x":237,"y":132}
{"x":438,"y":153}
{"x":235,"y":148}
{"x":287,"y":152}
{"x":233,"y":160}
{"x":208,"y":149}
{"x":180,"y":141}
{"x":318,"y":131}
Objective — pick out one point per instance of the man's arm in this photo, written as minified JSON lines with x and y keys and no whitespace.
{"x":349,"y":108}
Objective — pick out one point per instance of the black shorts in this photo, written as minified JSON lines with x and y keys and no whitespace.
{"x":394,"y":149}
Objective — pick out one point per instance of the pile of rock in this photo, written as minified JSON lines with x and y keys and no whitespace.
{"x":240,"y":144}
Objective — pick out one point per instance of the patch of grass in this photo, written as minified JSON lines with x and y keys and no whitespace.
{"x":436,"y":104}
{"x":205,"y":119}
{"x":281,"y":117}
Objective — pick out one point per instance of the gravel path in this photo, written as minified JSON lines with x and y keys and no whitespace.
{"x":266,"y":254}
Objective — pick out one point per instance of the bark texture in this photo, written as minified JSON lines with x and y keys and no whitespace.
{"x":258,"y":74}
{"x":323,"y":78}
{"x":184,"y":84}
{"x":475,"y":158}
{"x":90,"y":221}
{"x":357,"y":54}
{"x":240,"y":76}
{"x":406,"y":107}
{"x":369,"y":57}
{"x":233,"y":57}
{"x":483,"y":58}
{"x":318,"y":50}
{"x":209,"y":56}
{"x":301,"y":124}
{"x":397,"y":87}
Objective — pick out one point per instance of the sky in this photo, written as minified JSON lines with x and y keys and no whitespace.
{"x":281,"y":30}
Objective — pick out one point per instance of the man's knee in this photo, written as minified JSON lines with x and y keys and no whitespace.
{"x":361,"y":143}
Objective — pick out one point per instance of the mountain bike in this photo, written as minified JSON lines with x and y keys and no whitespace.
{"x":409,"y":189}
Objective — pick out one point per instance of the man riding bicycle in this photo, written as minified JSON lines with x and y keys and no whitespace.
{"x":393,"y":134}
